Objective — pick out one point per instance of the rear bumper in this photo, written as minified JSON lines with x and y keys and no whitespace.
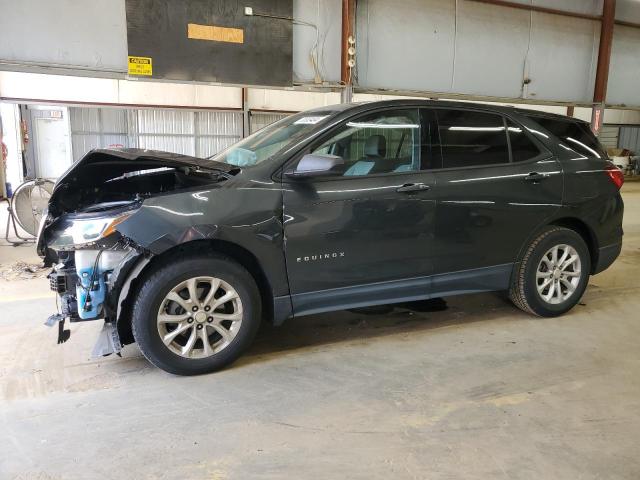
{"x":606,"y":256}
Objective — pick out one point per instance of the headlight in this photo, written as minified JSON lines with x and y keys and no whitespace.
{"x":81,"y":231}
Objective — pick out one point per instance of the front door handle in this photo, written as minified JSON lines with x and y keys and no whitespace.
{"x":412,"y":187}
{"x":536,"y":177}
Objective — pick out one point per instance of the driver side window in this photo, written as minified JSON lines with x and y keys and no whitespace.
{"x":382,"y":142}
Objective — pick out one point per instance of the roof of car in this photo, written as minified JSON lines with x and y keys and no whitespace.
{"x":541,"y":113}
{"x":363,"y":106}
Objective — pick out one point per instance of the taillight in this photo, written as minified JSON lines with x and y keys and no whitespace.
{"x":615,"y":174}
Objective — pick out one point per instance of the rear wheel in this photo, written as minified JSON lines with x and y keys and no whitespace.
{"x":196,"y":314}
{"x":553,"y":274}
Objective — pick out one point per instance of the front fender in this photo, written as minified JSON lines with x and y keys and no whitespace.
{"x":249,"y":217}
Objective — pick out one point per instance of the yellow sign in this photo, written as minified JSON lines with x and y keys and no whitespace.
{"x":215,"y":33}
{"x":140,"y":66}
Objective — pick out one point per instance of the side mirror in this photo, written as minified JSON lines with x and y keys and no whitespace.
{"x":316,"y":165}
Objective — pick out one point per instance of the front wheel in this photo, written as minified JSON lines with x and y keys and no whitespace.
{"x":196,"y":314}
{"x":553,"y":273}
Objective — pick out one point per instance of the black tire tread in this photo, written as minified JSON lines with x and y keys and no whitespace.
{"x":151,"y":282}
{"x":516,"y":292}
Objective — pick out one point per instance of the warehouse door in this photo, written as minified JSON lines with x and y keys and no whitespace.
{"x":51,"y":138}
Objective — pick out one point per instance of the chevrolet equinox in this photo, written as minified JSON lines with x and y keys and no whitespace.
{"x":340,"y":207}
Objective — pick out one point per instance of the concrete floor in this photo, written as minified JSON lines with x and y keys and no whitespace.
{"x":478,"y":391}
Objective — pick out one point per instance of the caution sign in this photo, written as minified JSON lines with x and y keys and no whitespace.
{"x":140,"y":66}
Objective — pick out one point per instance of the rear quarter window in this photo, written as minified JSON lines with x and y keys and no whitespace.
{"x":575,"y":135}
{"x":522,"y":148}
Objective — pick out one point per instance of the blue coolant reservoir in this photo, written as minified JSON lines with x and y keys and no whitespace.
{"x":91,"y":297}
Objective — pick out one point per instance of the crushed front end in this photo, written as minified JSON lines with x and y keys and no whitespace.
{"x":91,"y":261}
{"x":94,"y":264}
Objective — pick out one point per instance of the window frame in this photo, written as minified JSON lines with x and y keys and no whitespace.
{"x":536,"y":116}
{"x":335,"y":128}
{"x":544,"y":151}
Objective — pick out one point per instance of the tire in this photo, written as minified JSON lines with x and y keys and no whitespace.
{"x":199,"y":274}
{"x":533,"y":272}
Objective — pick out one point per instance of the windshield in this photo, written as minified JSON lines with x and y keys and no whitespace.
{"x":263,"y":144}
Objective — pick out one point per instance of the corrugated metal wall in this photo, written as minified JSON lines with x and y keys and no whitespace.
{"x":629,"y":138}
{"x":259,"y":120}
{"x":198,"y":133}
{"x":609,"y":136}
{"x":477,"y":49}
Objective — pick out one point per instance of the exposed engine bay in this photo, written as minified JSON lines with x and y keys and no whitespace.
{"x":92,"y":261}
{"x":106,"y":179}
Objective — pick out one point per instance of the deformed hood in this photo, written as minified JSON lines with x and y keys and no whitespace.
{"x":100,"y":165}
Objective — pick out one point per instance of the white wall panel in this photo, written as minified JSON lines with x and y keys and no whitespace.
{"x":91,"y":34}
{"x":406,"y":45}
{"x":19,"y":85}
{"x":624,"y":76}
{"x":622,"y":117}
{"x":57,"y":87}
{"x":466,"y":47}
{"x":562,"y":58}
{"x":490,"y":61}
{"x":287,"y":100}
{"x":591,"y":7}
{"x":160,"y":93}
{"x":628,"y":10}
{"x":321,"y":42}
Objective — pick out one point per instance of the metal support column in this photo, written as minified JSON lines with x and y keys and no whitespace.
{"x":348,"y":19}
{"x":246,"y":131}
{"x":604,"y":59}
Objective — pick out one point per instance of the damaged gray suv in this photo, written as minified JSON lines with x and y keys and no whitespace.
{"x":341,"y":207}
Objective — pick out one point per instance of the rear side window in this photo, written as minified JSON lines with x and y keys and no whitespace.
{"x":575,"y":135}
{"x":522,"y":147}
{"x":470,"y":138}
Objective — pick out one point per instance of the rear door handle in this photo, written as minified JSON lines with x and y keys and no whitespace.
{"x":412,"y":187}
{"x":536,"y":177}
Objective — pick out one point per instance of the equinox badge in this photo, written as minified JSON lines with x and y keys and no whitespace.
{"x":321,"y":256}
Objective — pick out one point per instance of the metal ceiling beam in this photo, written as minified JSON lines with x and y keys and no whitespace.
{"x":535,"y":8}
{"x":553,"y":11}
{"x":624,"y":23}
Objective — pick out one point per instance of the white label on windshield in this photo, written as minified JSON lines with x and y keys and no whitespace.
{"x":309,"y":120}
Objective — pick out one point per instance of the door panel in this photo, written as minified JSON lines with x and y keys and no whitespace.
{"x":485,"y":213}
{"x":352,"y":231}
{"x":373,"y":224}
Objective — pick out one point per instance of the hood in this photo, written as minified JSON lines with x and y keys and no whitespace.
{"x":106,"y":175}
{"x":106,"y":180}
{"x":100,"y":165}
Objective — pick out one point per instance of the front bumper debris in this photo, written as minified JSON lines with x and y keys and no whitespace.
{"x":108,"y":341}
{"x":87,"y":282}
{"x":63,"y":335}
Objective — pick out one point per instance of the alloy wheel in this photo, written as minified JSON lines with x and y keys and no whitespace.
{"x":558,"y":274}
{"x":199,"y":317}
